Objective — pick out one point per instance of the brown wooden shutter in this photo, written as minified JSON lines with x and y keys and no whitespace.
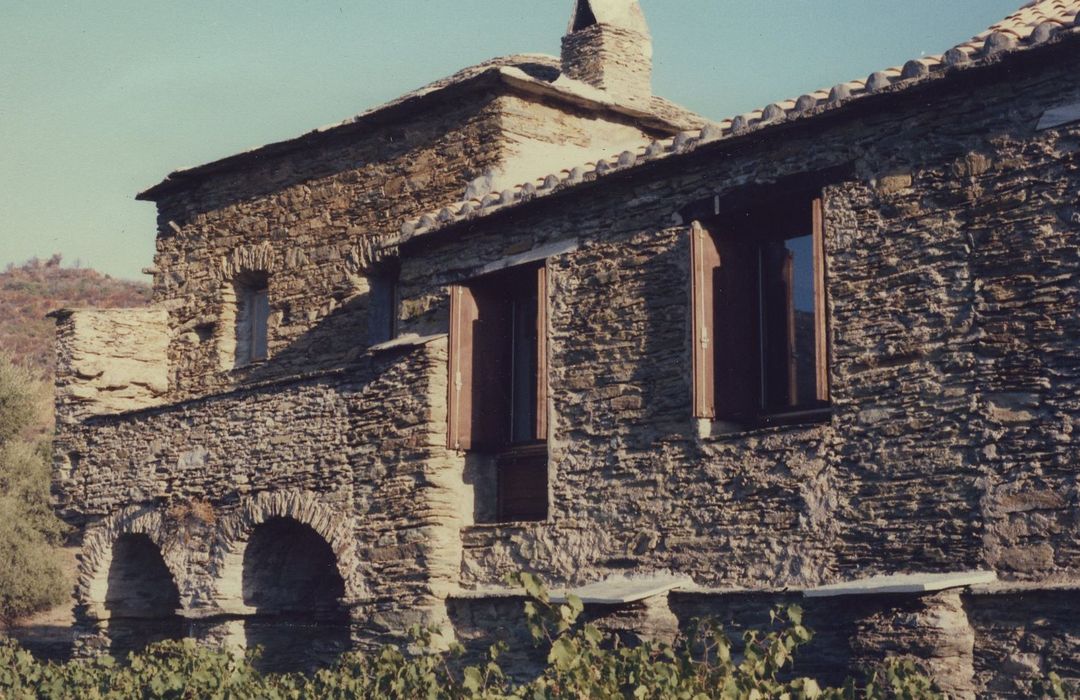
{"x":705,"y":260}
{"x":541,"y":354}
{"x":463,"y":315}
{"x":821,"y":328}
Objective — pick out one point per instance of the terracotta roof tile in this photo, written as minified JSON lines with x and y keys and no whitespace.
{"x":1032,"y":25}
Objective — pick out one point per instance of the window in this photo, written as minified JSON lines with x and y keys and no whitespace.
{"x":382,"y":303}
{"x":252,"y":318}
{"x":760,"y":333}
{"x":498,"y":382}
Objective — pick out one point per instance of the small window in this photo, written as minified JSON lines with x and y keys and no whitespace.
{"x":760,"y":331}
{"x":252,"y":319}
{"x":382,"y":303}
{"x":498,"y":382}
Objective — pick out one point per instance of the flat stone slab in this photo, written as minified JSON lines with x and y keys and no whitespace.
{"x":1059,"y":116}
{"x":617,"y":591}
{"x":408,"y":340}
{"x":903,"y":583}
{"x":610,"y":591}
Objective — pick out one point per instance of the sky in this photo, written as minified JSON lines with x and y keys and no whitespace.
{"x":100,"y":99}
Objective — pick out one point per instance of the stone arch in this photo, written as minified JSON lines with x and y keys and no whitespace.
{"x":137,"y":536}
{"x":247,"y":259}
{"x":236,"y":530}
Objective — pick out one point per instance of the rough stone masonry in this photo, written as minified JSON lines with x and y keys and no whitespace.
{"x":320,"y":481}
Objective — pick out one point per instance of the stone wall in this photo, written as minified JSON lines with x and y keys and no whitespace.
{"x":309,"y":220}
{"x":951,"y":247}
{"x":197,"y":478}
{"x":953,"y":260}
{"x":109,"y":361}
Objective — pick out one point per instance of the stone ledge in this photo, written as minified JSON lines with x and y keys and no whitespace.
{"x":410,"y":340}
{"x":902,"y":583}
{"x":610,"y":591}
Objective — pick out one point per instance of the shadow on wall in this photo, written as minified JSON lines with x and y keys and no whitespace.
{"x":291,"y":578}
{"x":142,"y":599}
{"x":335,"y":341}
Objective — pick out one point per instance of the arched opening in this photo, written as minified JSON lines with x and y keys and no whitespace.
{"x":291,"y":578}
{"x":141,"y":596}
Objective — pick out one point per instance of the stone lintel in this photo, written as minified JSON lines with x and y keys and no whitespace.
{"x":548,"y":250}
{"x":902,"y":583}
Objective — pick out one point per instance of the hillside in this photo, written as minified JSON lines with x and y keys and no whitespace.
{"x":33,"y":289}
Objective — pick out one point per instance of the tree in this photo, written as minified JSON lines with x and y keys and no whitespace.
{"x":31,"y":578}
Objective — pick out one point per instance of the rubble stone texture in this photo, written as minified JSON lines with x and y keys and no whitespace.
{"x":953,"y":264}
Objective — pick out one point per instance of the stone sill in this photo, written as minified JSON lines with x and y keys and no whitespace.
{"x":719,"y":430}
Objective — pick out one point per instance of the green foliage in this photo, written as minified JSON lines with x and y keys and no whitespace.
{"x":582,"y":662}
{"x":31,"y":578}
{"x":22,"y":400}
{"x":33,"y":289}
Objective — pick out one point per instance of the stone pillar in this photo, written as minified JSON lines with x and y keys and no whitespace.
{"x":647,"y":620}
{"x":933,"y":629}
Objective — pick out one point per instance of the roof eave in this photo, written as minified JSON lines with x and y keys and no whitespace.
{"x":495,"y":76}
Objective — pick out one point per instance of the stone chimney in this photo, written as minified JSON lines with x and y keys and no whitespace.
{"x":608,"y":46}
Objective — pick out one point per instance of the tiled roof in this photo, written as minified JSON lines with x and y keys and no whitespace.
{"x":1035,"y":24}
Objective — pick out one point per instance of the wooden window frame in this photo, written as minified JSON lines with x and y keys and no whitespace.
{"x":464,"y":428}
{"x":519,"y":468}
{"x":716,"y":390}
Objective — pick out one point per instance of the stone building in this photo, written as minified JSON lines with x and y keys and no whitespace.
{"x":534,"y":317}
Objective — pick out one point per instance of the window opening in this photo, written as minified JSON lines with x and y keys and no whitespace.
{"x":498,"y":383}
{"x":252,"y":319}
{"x":382,"y":304}
{"x":760,"y":332}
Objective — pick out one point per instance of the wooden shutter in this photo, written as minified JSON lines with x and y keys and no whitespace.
{"x":704,"y":261}
{"x":523,"y":488}
{"x":463,"y":315}
{"x":821,"y":328}
{"x":479,"y":371}
{"x":541,"y":354}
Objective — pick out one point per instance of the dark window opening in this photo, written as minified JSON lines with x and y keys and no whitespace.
{"x":584,"y":17}
{"x":382,"y":304}
{"x":498,"y":382}
{"x":252,"y":318}
{"x":760,"y":332}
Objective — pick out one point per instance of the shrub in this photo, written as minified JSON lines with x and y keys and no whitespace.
{"x":582,"y":662}
{"x":31,"y":578}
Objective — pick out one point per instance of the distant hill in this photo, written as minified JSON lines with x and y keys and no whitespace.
{"x":33,"y":289}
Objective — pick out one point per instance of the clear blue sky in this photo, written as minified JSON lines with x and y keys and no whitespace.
{"x":102,"y":98}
